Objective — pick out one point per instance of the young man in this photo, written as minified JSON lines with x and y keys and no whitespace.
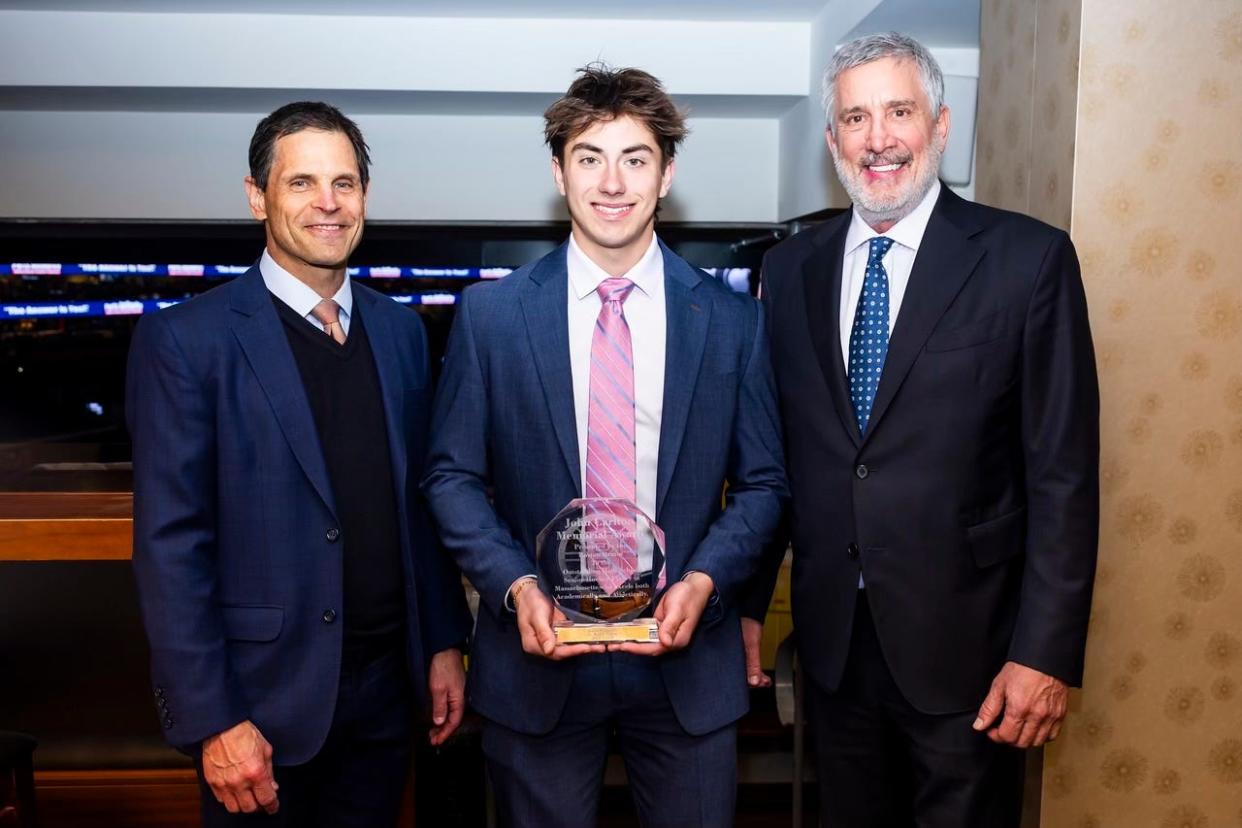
{"x":609,"y":368}
{"x":938,"y":392}
{"x":294,"y":595}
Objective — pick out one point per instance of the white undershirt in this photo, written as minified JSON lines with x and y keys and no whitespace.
{"x":300,"y":296}
{"x":644,"y":312}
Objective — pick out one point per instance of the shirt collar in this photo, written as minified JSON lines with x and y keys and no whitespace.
{"x":297,"y":294}
{"x":908,"y":232}
{"x":585,"y":276}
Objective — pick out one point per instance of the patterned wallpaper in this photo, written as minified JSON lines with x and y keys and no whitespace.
{"x":1148,"y":176}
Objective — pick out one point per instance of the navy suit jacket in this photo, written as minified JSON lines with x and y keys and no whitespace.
{"x":237,"y":549}
{"x":504,"y":420}
{"x":971,"y":503}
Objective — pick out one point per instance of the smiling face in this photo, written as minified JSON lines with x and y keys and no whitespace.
{"x":613,"y":177}
{"x":313,"y":206}
{"x":887,"y":145}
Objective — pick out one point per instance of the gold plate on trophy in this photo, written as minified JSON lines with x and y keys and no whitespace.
{"x":645,"y":630}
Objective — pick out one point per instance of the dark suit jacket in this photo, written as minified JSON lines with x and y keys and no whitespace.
{"x":236,"y":543}
{"x":971,"y":503}
{"x":504,"y":418}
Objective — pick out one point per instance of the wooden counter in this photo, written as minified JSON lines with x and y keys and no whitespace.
{"x":66,"y":526}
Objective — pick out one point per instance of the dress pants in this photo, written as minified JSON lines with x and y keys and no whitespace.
{"x":359,"y":774}
{"x":884,"y":764}
{"x":555,"y":780}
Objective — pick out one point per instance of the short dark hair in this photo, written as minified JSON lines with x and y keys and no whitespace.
{"x":604,"y":94}
{"x":298,"y":116}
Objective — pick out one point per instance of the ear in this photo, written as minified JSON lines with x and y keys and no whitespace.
{"x":831,"y":141}
{"x":558,"y":175}
{"x":666,"y":178}
{"x":941,"y":128}
{"x":254,"y":196}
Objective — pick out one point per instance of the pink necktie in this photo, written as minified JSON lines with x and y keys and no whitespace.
{"x":610,"y":463}
{"x":328,"y":312}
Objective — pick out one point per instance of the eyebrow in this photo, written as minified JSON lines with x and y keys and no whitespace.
{"x":592,"y":148}
{"x":337,"y":177}
{"x":908,"y":103}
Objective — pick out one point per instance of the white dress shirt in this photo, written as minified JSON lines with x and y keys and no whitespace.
{"x":906,"y":234}
{"x":644,"y":312}
{"x":300,"y":296}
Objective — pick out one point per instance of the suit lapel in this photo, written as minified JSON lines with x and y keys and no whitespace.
{"x":262,"y":337}
{"x":687,"y":322}
{"x":946,"y":259}
{"x":821,"y":281}
{"x":386,"y":351}
{"x":545,"y":310}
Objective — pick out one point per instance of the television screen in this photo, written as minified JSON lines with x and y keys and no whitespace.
{"x":70,"y":296}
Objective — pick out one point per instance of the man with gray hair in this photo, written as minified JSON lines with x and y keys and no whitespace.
{"x":938,"y":391}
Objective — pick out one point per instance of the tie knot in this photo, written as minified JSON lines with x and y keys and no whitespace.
{"x":328,"y":312}
{"x":614,"y":290}
{"x":879,"y":248}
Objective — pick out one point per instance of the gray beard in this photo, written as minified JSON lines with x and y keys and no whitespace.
{"x":880,"y":211}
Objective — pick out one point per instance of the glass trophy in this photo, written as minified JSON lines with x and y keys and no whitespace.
{"x":601,"y":561}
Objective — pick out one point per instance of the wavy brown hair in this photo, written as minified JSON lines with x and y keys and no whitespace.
{"x":603,"y":94}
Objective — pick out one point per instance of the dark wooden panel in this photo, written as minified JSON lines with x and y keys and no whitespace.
{"x":44,"y":505}
{"x":134,"y":799}
{"x":117,"y":798}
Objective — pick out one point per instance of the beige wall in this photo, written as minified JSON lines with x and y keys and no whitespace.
{"x":1148,"y":177}
{"x":1028,"y":74}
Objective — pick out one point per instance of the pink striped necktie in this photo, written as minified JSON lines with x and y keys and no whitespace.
{"x":328,"y":312}
{"x":610,"y":464}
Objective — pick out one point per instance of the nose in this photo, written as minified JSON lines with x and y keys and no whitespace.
{"x":325,"y":198}
{"x":612,"y":182}
{"x":878,"y":136}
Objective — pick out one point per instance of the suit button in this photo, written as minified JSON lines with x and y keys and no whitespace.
{"x":862,"y":472}
{"x":851,"y":551}
{"x":168,"y":723}
{"x":332,"y":534}
{"x":329,"y":616}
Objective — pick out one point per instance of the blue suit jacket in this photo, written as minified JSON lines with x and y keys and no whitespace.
{"x":237,"y":551}
{"x":504,"y":419}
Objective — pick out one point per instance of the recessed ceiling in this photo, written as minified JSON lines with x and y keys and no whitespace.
{"x":944,"y":23}
{"x":783,"y":10}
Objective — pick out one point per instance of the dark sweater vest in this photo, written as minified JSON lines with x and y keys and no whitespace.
{"x":343,"y":388}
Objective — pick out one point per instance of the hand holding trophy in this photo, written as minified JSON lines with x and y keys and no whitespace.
{"x":601,"y":562}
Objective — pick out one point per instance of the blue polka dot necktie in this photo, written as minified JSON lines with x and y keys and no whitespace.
{"x":869,"y":336}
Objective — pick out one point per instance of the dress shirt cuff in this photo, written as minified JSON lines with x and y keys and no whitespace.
{"x":714,"y":598}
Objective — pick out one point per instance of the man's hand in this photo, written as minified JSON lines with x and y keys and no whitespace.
{"x":535,"y":616}
{"x":1033,"y":704}
{"x":752,"y":640}
{"x":678,"y":614}
{"x":237,"y":765}
{"x":446,"y":685}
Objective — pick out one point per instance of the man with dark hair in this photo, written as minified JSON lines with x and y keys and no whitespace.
{"x":938,"y":392}
{"x":608,"y":368}
{"x":294,"y":595}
